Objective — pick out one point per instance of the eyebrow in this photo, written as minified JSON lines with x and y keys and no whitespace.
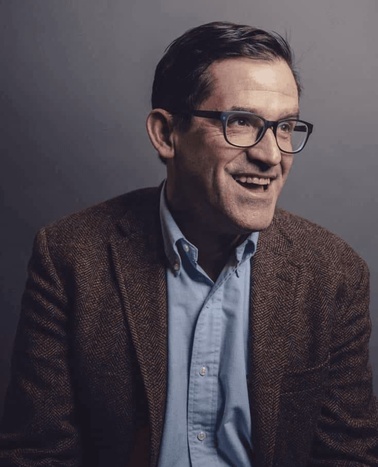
{"x":254,"y":111}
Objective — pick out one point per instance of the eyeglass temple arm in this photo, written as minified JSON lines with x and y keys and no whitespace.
{"x":302,"y":128}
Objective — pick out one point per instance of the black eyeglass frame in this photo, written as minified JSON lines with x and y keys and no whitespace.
{"x":224,"y":116}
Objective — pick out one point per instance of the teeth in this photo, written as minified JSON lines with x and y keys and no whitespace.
{"x":254,"y":180}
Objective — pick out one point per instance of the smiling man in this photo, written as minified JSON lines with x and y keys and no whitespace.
{"x":196,"y":324}
{"x":216,"y":191}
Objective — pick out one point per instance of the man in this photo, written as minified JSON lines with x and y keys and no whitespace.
{"x":196,"y":324}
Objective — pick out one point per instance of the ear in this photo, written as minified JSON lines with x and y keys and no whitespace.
{"x":160,"y":130}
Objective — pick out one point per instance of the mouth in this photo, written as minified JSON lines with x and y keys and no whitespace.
{"x":252,"y":182}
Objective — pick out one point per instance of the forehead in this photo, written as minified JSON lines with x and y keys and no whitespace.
{"x":244,"y":82}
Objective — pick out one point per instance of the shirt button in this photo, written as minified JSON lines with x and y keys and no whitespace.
{"x":186,"y":247}
{"x":176,"y":266}
{"x":202,"y":371}
{"x":201,"y":435}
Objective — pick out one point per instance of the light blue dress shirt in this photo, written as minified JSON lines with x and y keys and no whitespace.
{"x":207,"y":420}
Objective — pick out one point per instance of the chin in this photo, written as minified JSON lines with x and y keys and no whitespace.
{"x":254,"y":223}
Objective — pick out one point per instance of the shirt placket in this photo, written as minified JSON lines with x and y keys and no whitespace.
{"x":203,"y":382}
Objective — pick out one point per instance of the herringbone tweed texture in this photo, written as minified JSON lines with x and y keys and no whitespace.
{"x":88,"y":382}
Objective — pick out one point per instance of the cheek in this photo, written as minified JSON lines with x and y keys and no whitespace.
{"x":287,"y":162}
{"x":206,"y":164}
{"x":202,"y":157}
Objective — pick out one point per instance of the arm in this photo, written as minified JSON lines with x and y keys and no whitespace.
{"x":347,"y":433}
{"x":38,"y":427}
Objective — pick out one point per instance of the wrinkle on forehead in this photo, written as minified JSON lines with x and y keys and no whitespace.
{"x":274,"y":92}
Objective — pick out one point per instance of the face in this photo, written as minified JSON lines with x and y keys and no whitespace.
{"x":219,"y":187}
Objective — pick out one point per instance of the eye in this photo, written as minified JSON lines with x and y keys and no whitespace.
{"x":239,"y":121}
{"x":286,"y":127}
{"x":245,"y":120}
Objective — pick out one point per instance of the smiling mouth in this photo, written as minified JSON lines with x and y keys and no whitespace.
{"x":253,"y":183}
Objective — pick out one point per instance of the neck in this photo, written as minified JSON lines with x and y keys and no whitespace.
{"x":214,"y":249}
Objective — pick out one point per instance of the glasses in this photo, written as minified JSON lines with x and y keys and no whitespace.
{"x":245,"y":129}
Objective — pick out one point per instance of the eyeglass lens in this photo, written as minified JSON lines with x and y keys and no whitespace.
{"x":245,"y":130}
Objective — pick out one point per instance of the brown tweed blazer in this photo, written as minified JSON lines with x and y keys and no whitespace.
{"x":89,"y":369}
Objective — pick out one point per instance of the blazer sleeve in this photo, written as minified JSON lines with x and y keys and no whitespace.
{"x":38,"y":426}
{"x":347,"y":432}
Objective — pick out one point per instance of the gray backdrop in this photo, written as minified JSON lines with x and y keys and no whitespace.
{"x":75,"y":79}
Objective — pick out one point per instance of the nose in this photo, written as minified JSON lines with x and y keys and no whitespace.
{"x":266,"y":151}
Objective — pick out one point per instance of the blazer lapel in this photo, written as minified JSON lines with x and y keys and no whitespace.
{"x":273,"y":281}
{"x":140,"y":269}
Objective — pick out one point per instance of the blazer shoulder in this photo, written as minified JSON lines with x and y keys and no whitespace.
{"x":314,"y":243}
{"x":97,"y":223}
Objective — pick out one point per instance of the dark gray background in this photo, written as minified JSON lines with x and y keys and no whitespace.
{"x":75,"y":79}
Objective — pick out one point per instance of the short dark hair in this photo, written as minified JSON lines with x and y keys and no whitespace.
{"x":181,"y":82}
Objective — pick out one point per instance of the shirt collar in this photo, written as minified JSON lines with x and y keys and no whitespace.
{"x":172,"y":234}
{"x":176,"y":244}
{"x":246,"y":249}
